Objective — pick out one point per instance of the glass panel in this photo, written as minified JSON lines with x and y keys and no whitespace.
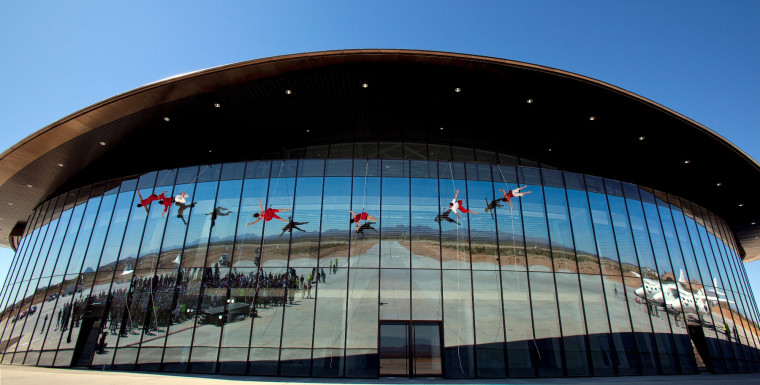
{"x":534,"y":222}
{"x":330,"y":322}
{"x":583,"y":232}
{"x":454,"y":236}
{"x":365,"y":251}
{"x":425,"y":225}
{"x":561,"y":235}
{"x":546,"y":323}
{"x":394,"y":349}
{"x":458,"y":324}
{"x":247,"y":254}
{"x":394,"y":249}
{"x":521,"y":350}
{"x":573,"y":324}
{"x":242,"y":310}
{"x":489,"y":321}
{"x":362,"y":326}
{"x":600,"y":343}
{"x":394,"y":294}
{"x":426,"y":344}
{"x":605,"y":239}
{"x":267,"y":328}
{"x":207,"y":326}
{"x":485,"y":253}
{"x":200,"y":225}
{"x":426,"y":295}
{"x":305,"y":225}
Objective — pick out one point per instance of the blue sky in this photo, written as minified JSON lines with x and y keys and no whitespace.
{"x":698,"y":58}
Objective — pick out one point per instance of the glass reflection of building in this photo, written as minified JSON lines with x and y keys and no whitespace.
{"x":583,"y":276}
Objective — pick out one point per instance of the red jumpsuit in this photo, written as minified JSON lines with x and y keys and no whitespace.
{"x":269,"y":214}
{"x":152,"y":198}
{"x":359,"y":217}
{"x":166,"y":202}
{"x":462,"y":208}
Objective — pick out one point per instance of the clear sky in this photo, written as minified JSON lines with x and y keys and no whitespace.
{"x":699,"y":58}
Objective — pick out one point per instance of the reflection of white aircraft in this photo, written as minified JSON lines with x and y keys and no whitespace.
{"x":677,"y":296}
{"x":128,"y":270}
{"x":178,"y":259}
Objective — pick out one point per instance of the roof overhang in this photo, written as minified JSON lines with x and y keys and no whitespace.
{"x":409,"y":98}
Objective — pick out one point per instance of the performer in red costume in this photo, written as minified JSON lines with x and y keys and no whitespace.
{"x":457,"y":205}
{"x":152,"y":198}
{"x":267,"y":214}
{"x":166,"y":202}
{"x":361,"y":217}
{"x":512,"y":194}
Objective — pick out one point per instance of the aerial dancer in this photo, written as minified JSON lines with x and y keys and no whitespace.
{"x":494,"y":204}
{"x":292,"y":225}
{"x":365,"y":226}
{"x":512,"y":194}
{"x":152,"y":198}
{"x":457,"y":205}
{"x":361,"y":217}
{"x":180,"y":201}
{"x":218,"y":212}
{"x":267,"y":214}
{"x":445,"y":217}
{"x":167,"y":202}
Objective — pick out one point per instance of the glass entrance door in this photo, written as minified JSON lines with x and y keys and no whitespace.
{"x":394,"y":349}
{"x":410,"y":348}
{"x":426,"y":349}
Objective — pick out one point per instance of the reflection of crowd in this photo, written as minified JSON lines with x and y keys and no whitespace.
{"x":170,"y":299}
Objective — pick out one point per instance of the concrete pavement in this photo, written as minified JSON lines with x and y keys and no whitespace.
{"x":27,"y":375}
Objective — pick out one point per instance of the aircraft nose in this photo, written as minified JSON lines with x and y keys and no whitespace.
{"x":658,"y":298}
{"x":640,"y":292}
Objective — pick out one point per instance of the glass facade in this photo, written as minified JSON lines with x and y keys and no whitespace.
{"x":580,"y":276}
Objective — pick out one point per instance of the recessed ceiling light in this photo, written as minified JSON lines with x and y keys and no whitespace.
{"x":753,"y":223}
{"x":592,"y":118}
{"x":719,"y":184}
{"x":307,"y":130}
{"x":102,"y":143}
{"x":166,"y":118}
{"x":530,"y":101}
{"x":365,"y":85}
{"x":60,"y":164}
{"x":457,"y":89}
{"x":741,"y":204}
{"x":641,"y":138}
{"x":550,"y":150}
{"x":217,"y":105}
{"x":686,"y":161}
{"x":288,"y":92}
{"x":209,"y":150}
{"x":441,"y":128}
{"x":30,"y":186}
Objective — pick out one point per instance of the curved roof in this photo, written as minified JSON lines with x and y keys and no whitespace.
{"x":410,"y":96}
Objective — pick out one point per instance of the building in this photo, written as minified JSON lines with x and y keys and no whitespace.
{"x":624,"y":256}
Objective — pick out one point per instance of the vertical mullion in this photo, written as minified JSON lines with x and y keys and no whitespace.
{"x":500,"y":273}
{"x":589,"y":358}
{"x":622,"y":278}
{"x":151,"y":303}
{"x":319,"y":248}
{"x":287,"y":271}
{"x":258,"y":269}
{"x":527,"y":276}
{"x":656,"y":351}
{"x":610,"y":341}
{"x":202,"y":290}
{"x":232,"y":258}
